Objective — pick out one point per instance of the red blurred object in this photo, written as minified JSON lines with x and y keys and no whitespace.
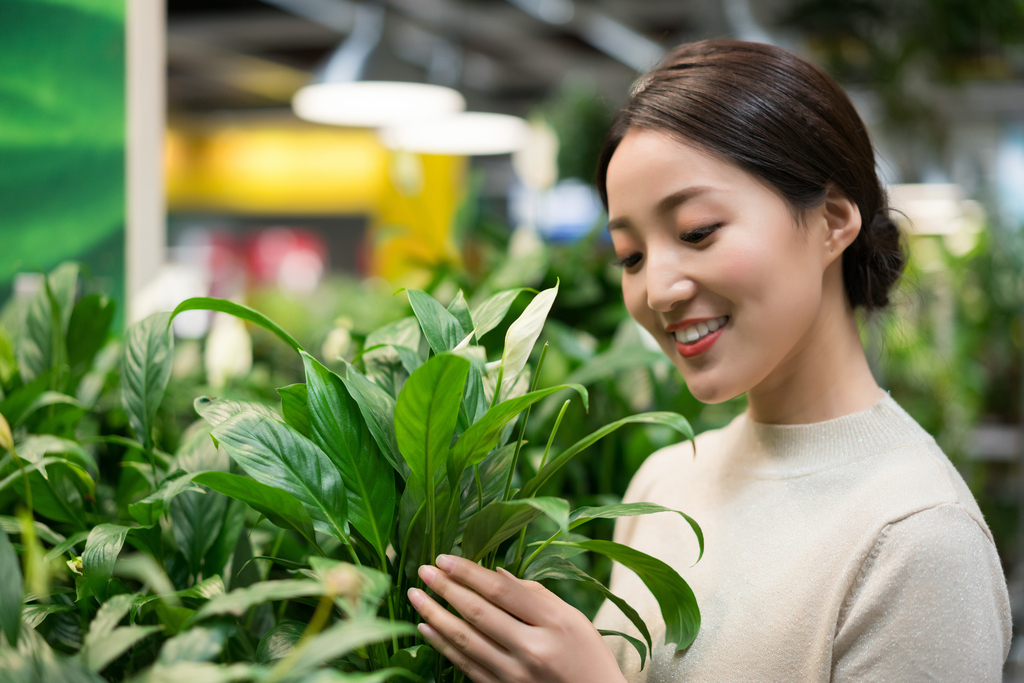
{"x":291,"y":258}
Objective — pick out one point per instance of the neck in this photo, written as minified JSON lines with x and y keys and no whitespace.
{"x":825,"y":377}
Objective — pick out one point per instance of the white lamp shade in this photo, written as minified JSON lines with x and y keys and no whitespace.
{"x":467,"y":133}
{"x":372,"y":104}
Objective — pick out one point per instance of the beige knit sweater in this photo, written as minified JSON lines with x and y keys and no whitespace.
{"x":846,"y":550}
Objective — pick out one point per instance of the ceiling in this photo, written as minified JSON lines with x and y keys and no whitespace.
{"x":250,"y":56}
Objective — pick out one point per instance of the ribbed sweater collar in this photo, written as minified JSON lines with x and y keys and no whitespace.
{"x":783,"y":451}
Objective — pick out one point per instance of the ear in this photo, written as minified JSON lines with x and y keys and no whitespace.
{"x":842,"y":223}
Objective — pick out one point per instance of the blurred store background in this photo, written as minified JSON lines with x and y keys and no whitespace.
{"x":279,"y":152}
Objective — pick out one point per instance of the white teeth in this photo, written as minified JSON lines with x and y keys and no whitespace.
{"x":700,"y":330}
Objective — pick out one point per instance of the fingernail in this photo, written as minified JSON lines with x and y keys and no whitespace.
{"x":426,"y":631}
{"x":445,"y":562}
{"x":416,"y":597}
{"x":505,"y":572}
{"x":428,"y":574}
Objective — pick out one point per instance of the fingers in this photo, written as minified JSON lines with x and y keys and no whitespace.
{"x":496,"y":623}
{"x":472,"y":643}
{"x":503,"y":590}
{"x":474,"y":670}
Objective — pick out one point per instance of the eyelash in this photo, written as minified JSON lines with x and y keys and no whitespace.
{"x":691,"y":237}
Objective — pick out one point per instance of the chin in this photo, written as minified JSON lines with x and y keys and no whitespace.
{"x":708,"y":390}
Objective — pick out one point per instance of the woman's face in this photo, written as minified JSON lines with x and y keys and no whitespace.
{"x":715,"y":265}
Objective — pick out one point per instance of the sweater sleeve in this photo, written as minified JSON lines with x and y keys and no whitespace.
{"x":929,"y":604}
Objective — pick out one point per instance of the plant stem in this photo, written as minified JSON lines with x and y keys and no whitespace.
{"x":497,"y":385}
{"x":529,"y":560}
{"x":323,"y":611}
{"x":479,"y":488}
{"x":551,"y":439}
{"x":522,"y":427}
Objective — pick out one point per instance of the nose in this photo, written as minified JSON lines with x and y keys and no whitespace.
{"x":668,"y":283}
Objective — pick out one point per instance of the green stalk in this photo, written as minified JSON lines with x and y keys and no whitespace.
{"x":479,"y":488}
{"x":497,"y":386}
{"x":551,"y":439}
{"x":316,"y":624}
{"x":521,"y":569}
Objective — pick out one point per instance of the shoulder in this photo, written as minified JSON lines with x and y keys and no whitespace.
{"x":930,"y":596}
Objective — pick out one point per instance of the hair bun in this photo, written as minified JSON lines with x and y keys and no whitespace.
{"x":873,"y":264}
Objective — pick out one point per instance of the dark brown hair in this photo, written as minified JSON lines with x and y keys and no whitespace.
{"x":786,"y":122}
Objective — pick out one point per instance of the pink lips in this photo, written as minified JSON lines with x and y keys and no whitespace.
{"x":698,"y":347}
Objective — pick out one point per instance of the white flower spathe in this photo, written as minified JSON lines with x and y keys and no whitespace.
{"x":523,"y":334}
{"x":228,"y":350}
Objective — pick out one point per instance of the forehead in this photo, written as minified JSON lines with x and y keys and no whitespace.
{"x":657,"y":162}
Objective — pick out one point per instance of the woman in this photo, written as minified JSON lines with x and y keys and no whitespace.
{"x":841,"y":543}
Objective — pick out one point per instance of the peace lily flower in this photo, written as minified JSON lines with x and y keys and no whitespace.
{"x":228,"y":350}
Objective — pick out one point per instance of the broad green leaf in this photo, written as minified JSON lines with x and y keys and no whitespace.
{"x":198,"y":644}
{"x":554,"y":567}
{"x":52,"y":398}
{"x":294,"y":407}
{"x":274,"y":454}
{"x":238,"y":601}
{"x":674,"y":420}
{"x":101,"y":550}
{"x":483,"y":435}
{"x":441,"y":329}
{"x":378,"y":409}
{"x":217,"y":410}
{"x":419,"y":659}
{"x":344,"y":637}
{"x":414,"y":524}
{"x":460,"y":311}
{"x":226,"y":542}
{"x":14,"y":405}
{"x":474,"y":399}
{"x":148,"y":511}
{"x":585,"y":514}
{"x":614,"y":361}
{"x":10,"y":591}
{"x":426,"y":413}
{"x":145,"y":370}
{"x":239,"y":311}
{"x":637,"y":644}
{"x":491,"y":312}
{"x":523,"y":334}
{"x":37,"y":446}
{"x":59,"y":488}
{"x":33,"y":615}
{"x":404,"y":332}
{"x":676,"y":600}
{"x":196,"y":518}
{"x":493,"y":470}
{"x":105,"y":642}
{"x":279,"y":506}
{"x":88,"y":330}
{"x":279,"y":641}
{"x":39,"y":345}
{"x":501,"y":520}
{"x":66,"y":545}
{"x":337,"y":427}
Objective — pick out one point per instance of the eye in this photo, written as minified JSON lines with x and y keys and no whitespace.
{"x":629,"y":261}
{"x":695,"y":236}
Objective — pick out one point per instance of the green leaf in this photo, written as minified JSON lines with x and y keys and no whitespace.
{"x":12,"y":525}
{"x":10,"y":591}
{"x":104,"y":642}
{"x":33,"y":615}
{"x":88,"y":330}
{"x":145,"y":371}
{"x":491,"y":312}
{"x":337,"y":427}
{"x":674,"y":420}
{"x":501,"y":520}
{"x":240,"y":600}
{"x":419,"y":659}
{"x":239,"y":311}
{"x":585,"y":514}
{"x":59,"y":488}
{"x":196,"y":517}
{"x":101,"y":550}
{"x":37,"y":446}
{"x":49,"y":398}
{"x":14,"y":405}
{"x":614,"y":361}
{"x":65,"y":545}
{"x":280,"y":507}
{"x":426,"y":413}
{"x":638,"y":644}
{"x":493,"y":471}
{"x":148,"y":511}
{"x":371,"y":585}
{"x":460,"y":311}
{"x":378,"y":410}
{"x":523,"y":334}
{"x":676,"y":600}
{"x":198,"y":644}
{"x":554,"y":567}
{"x":279,"y":641}
{"x":217,"y":410}
{"x":483,"y":435}
{"x":344,"y":637}
{"x":39,"y":346}
{"x":294,"y":407}
{"x":274,"y":454}
{"x":441,"y":329}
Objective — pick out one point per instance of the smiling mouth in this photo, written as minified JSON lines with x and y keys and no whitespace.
{"x":698,"y":331}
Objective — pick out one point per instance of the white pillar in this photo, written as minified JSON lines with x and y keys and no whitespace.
{"x":145,"y":100}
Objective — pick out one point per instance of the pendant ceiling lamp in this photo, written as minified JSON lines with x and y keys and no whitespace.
{"x":341,"y":98}
{"x":466,"y":133}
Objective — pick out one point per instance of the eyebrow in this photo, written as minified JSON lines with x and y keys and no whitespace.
{"x":667,"y":204}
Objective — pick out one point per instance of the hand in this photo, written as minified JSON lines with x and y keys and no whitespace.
{"x":514,"y":631}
